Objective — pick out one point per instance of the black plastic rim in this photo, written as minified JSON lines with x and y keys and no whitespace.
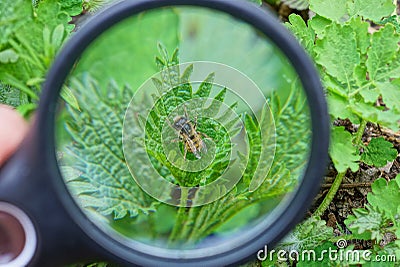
{"x":260,"y":20}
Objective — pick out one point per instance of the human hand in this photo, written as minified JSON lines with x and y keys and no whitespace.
{"x":13,"y":128}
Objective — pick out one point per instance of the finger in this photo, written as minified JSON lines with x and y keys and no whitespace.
{"x":12,"y":131}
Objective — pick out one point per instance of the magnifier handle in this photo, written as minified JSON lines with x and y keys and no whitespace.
{"x":25,"y":183}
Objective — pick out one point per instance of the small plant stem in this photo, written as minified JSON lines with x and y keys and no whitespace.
{"x":330,"y":195}
{"x":181,"y":216}
{"x":339,"y":177}
{"x":360,"y":132}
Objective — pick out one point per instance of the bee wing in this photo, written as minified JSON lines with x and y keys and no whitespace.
{"x":193,"y":148}
{"x":203,"y":147}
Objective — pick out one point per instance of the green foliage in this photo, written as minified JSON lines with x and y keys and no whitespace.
{"x":360,"y":69}
{"x":94,"y":164}
{"x":344,"y":10}
{"x":310,"y":234}
{"x":357,"y":67}
{"x":378,"y":152}
{"x":343,"y":154}
{"x":94,"y":167}
{"x":382,"y":214}
{"x":30,"y":38}
{"x":166,"y":102}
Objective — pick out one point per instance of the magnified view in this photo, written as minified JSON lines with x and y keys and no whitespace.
{"x":182,"y":128}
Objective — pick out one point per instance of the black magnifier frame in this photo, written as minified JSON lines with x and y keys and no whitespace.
{"x":32,"y":180}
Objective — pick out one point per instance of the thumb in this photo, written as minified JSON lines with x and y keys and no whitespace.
{"x":12,"y":131}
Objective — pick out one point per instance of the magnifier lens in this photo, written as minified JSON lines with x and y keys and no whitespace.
{"x":195,"y":150}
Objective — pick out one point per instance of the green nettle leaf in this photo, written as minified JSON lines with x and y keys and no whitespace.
{"x":378,"y":152}
{"x":170,"y":99}
{"x":385,"y":197}
{"x":365,"y":224}
{"x":100,"y":178}
{"x":310,"y":234}
{"x":381,"y":215}
{"x":343,"y":154}
{"x":333,"y":10}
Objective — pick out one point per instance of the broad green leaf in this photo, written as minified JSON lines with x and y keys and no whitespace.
{"x":388,"y":118}
{"x":390,"y":94}
{"x":339,"y":107}
{"x":333,"y":10}
{"x":318,"y":24}
{"x":372,"y":94}
{"x":337,"y":52}
{"x":304,"y":34}
{"x":378,"y":152}
{"x":373,"y":10}
{"x":360,"y":29}
{"x":58,"y":36}
{"x":382,"y":51}
{"x":343,"y":154}
{"x":385,"y":197}
{"x":8,"y":56}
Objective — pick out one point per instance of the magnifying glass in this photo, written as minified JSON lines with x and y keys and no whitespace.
{"x":168,"y":132}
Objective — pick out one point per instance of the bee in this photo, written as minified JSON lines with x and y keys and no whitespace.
{"x":186,"y":129}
